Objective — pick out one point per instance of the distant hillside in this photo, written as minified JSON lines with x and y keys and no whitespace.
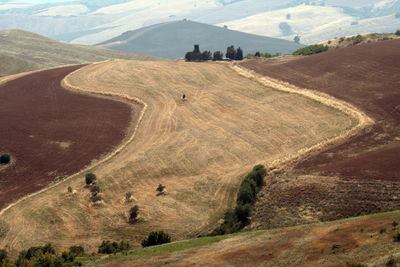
{"x":25,"y":51}
{"x":346,"y":41}
{"x":173,"y":39}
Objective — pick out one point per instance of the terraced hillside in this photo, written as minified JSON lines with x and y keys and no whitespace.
{"x":199,"y":149}
{"x":358,"y":176}
{"x":22,"y":51}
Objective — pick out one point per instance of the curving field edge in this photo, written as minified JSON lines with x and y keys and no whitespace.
{"x":67,"y":85}
{"x":363,"y":120}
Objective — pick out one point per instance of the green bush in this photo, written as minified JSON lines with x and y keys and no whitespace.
{"x":3,"y":256}
{"x":77,"y":250}
{"x":5,"y":159}
{"x":396,"y":237}
{"x":156,"y":238}
{"x":108,"y":247}
{"x":311,"y":49}
{"x":397,"y":33}
{"x":133,"y":213}
{"x":218,"y":55}
{"x":90,"y":178}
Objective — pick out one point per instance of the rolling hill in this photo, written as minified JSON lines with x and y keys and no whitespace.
{"x":22,"y":51}
{"x":173,"y":39}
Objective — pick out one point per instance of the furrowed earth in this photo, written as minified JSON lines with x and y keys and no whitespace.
{"x":358,"y":176}
{"x":52,"y":133}
{"x":200,"y":149}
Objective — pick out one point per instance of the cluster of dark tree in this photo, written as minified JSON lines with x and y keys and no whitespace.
{"x":5,"y":158}
{"x":108,"y":247}
{"x":311,"y":49}
{"x":265,"y":55}
{"x":44,"y":256}
{"x":156,"y":238}
{"x":197,"y":55}
{"x":236,"y":219}
{"x":90,"y":180}
{"x":397,"y":33}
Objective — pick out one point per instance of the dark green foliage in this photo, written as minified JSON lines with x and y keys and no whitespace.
{"x":355,"y":264}
{"x":391,"y":262}
{"x":358,"y":39}
{"x":296,"y":39}
{"x":108,"y":247}
{"x":77,"y":250}
{"x":239,"y":54}
{"x":397,"y":33}
{"x":95,"y":189}
{"x":160,"y":188}
{"x":236,"y":219}
{"x":156,"y":238}
{"x":396,"y":237}
{"x":5,"y":159}
{"x":69,"y":189}
{"x":95,"y":198}
{"x":257,"y":54}
{"x":394,"y":224}
{"x":90,"y":178}
{"x":230,"y":52}
{"x":206,"y":55}
{"x":218,"y":55}
{"x":3,"y":256}
{"x":133,"y":213}
{"x":36,"y":253}
{"x":311,"y":49}
{"x":196,"y":55}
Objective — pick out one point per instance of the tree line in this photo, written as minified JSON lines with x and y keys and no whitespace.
{"x":197,"y":55}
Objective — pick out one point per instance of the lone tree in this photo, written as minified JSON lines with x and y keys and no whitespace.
{"x":160,"y":189}
{"x":218,"y":55}
{"x":156,"y":238}
{"x":230,"y":52}
{"x":90,"y":178}
{"x":133,"y":214}
{"x":128,"y":196}
{"x":239,"y":54}
{"x":5,"y":159}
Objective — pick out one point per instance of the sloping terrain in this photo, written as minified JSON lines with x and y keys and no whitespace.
{"x":199,"y":149}
{"x":359,"y":39}
{"x":173,"y":39}
{"x":366,"y":240}
{"x":23,"y":51}
{"x":52,"y":133}
{"x":360,"y":175}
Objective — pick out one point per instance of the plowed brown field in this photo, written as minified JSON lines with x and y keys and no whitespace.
{"x":52,"y":132}
{"x":358,"y":176}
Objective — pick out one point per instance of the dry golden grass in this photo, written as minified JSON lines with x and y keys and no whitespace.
{"x":199,"y":149}
{"x":365,"y":240}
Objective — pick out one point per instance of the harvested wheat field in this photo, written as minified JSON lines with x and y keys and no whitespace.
{"x":365,"y":240}
{"x":52,"y":133}
{"x":360,"y":175}
{"x":199,"y":149}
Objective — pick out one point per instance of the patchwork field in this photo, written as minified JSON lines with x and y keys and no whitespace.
{"x":360,"y":175}
{"x":52,"y":133}
{"x":199,"y":149}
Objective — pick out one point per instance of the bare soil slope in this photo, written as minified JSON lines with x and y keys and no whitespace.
{"x":362,"y":174}
{"x":199,"y":149}
{"x":52,"y":133}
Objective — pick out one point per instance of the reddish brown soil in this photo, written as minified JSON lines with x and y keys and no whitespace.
{"x":368,"y":165}
{"x":37,"y":114}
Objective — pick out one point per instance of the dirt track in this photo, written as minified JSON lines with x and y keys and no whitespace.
{"x":51,"y":132}
{"x":361,"y":174}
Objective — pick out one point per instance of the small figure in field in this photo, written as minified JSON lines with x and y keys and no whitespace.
{"x":183,"y":97}
{"x":160,"y":190}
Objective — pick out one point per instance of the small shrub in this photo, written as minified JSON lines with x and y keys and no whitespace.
{"x":128,"y":196}
{"x":3,"y":256}
{"x":398,"y":31}
{"x":90,"y":178}
{"x":355,"y":264}
{"x":69,"y":189}
{"x":156,"y":238}
{"x":95,"y":198}
{"x":335,"y":246}
{"x":77,"y":250}
{"x":394,"y":224}
{"x":108,"y":247}
{"x":5,"y":159}
{"x":396,"y":237}
{"x":160,"y":188}
{"x":218,"y":55}
{"x":95,"y":189}
{"x":382,"y":230}
{"x":133,"y":214}
{"x":391,"y":262}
